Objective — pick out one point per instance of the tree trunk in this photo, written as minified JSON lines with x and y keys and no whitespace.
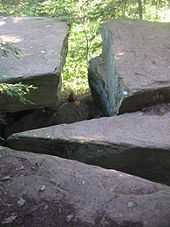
{"x":140,"y":9}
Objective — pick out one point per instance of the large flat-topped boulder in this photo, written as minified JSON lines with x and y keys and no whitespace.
{"x":134,"y":69}
{"x":43,"y":43}
{"x":136,"y":143}
{"x":41,"y":190}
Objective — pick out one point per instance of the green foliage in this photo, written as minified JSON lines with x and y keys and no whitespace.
{"x":85,"y":18}
{"x":19,"y":90}
{"x":8,"y":48}
{"x":18,"y":7}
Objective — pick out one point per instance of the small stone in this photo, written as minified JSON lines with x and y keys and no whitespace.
{"x":9,"y":219}
{"x":42,"y":189}
{"x":21,"y":202}
{"x":131,"y":204}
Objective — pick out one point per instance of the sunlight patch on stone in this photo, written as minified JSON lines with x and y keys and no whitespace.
{"x":10,"y":38}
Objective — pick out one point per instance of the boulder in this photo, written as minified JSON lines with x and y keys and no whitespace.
{"x":43,"y":44}
{"x":134,"y":69}
{"x":136,"y":143}
{"x":40,"y":190}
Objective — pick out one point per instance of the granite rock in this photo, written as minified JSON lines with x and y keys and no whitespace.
{"x":136,"y":143}
{"x":43,"y":44}
{"x":40,"y":190}
{"x":134,"y":69}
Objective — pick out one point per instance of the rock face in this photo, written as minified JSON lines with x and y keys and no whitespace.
{"x":136,"y":143}
{"x":39,"y":190}
{"x":134,"y":69}
{"x":43,"y":43}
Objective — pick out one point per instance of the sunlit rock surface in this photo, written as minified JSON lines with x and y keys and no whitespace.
{"x":136,"y":143}
{"x":43,"y":46}
{"x":134,"y":69}
{"x":41,"y":190}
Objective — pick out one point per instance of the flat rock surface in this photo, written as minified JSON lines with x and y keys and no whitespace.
{"x":43,"y":44}
{"x":142,"y":54}
{"x":40,"y":40}
{"x":135,"y":66}
{"x":137,"y":143}
{"x":41,"y":190}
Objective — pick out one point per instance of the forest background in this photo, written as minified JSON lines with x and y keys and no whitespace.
{"x":85,"y":18}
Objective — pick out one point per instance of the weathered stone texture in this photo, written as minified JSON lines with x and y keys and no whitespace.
{"x":134,"y":69}
{"x":136,"y":143}
{"x":43,"y":43}
{"x":39,"y":190}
